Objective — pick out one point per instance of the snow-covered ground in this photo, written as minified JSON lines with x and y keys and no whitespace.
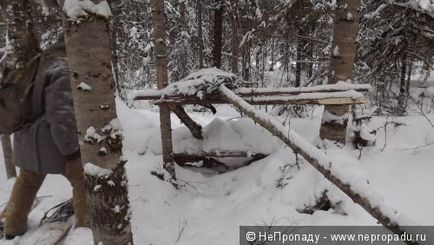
{"x":209,"y":208}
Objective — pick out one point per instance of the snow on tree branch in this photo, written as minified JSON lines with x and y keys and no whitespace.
{"x":76,"y":9}
{"x":426,"y":6}
{"x":6,"y":50}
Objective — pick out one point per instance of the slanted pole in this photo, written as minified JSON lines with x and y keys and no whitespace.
{"x":195,"y":128}
{"x":162,"y":82}
{"x":319,"y":160}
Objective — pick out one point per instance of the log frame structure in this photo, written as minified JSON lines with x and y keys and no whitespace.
{"x":349,"y":94}
{"x":240,"y":99}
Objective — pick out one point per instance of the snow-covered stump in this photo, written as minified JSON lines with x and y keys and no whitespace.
{"x":360,"y":192}
{"x":334,"y":123}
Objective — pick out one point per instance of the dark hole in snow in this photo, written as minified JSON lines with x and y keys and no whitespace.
{"x":159,"y":175}
{"x":217,"y":165}
{"x":322,"y":203}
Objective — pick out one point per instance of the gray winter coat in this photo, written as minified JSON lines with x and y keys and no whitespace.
{"x":44,"y":145}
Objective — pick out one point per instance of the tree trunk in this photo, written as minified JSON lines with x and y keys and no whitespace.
{"x":162,"y":81}
{"x":402,"y":97}
{"x":116,"y":7}
{"x":300,"y":58}
{"x":218,"y":34}
{"x":335,"y":118}
{"x":89,"y":59}
{"x":22,"y":39}
{"x":200,"y":31}
{"x":184,"y":68}
{"x":407,"y":86}
{"x":246,"y":61}
{"x":8,"y":156}
{"x":235,"y":40}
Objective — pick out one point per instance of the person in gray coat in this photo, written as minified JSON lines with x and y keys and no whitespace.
{"x":47,"y":145}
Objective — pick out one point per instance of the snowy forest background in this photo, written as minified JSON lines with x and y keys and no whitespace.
{"x":273,"y":43}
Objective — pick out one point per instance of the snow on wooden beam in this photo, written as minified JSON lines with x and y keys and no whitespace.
{"x":359,"y":191}
{"x":151,"y":94}
{"x":330,"y":98}
{"x":338,"y":87}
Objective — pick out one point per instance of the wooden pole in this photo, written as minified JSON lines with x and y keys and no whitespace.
{"x":7,"y":154}
{"x":162,"y":82}
{"x":313,"y":156}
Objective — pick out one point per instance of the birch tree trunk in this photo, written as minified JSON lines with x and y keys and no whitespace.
{"x":346,"y":27}
{"x":162,"y":81}
{"x":8,"y":156}
{"x":89,"y":59}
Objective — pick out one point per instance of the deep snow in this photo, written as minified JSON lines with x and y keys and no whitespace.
{"x":209,"y":208}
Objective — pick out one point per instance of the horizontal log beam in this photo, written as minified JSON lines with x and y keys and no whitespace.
{"x":320,"y":95}
{"x":151,"y":94}
{"x":361,"y":88}
{"x":267,"y":100}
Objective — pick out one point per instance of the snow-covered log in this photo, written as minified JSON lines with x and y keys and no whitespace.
{"x":202,"y":86}
{"x":359,"y":191}
{"x":151,"y":94}
{"x":338,"y":87}
{"x":186,"y":157}
{"x":330,"y":98}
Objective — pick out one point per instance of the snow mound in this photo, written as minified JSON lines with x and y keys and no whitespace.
{"x":234,"y":135}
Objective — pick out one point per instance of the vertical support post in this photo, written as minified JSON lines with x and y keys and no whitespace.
{"x":8,"y":158}
{"x":162,"y":81}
